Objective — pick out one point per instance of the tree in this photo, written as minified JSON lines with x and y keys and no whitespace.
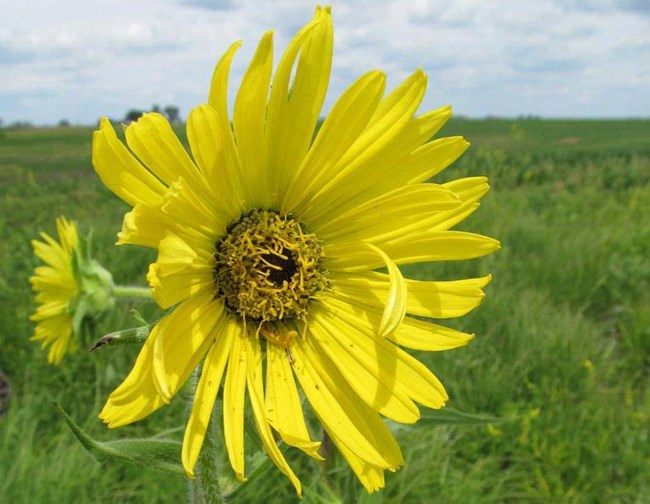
{"x":172,"y":113}
{"x":133,"y":115}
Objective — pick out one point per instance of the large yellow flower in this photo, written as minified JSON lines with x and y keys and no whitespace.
{"x":268,"y":249}
{"x":56,"y":287}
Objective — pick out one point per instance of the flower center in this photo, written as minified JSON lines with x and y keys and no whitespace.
{"x":267,"y":267}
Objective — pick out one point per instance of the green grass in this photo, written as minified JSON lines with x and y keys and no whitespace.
{"x":562,"y":351}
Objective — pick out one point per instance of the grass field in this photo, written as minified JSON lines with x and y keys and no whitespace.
{"x":560,"y":363}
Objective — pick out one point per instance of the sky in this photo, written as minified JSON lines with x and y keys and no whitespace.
{"x":80,"y":60}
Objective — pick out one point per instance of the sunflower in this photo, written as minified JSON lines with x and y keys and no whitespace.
{"x":55,"y":286}
{"x":270,"y":248}
{"x":72,"y":290}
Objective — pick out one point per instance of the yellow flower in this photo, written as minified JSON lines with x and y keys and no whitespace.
{"x":71,"y":289}
{"x":56,"y":286}
{"x":268,"y":250}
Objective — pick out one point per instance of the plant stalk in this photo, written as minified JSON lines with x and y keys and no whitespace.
{"x":205,"y":489}
{"x":132,"y":291}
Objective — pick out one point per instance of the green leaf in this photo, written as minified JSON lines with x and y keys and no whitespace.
{"x":261,"y":464}
{"x":450,"y":416}
{"x":161,"y":454}
{"x":124,"y":337}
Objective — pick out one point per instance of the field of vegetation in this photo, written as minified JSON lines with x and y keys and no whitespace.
{"x":550,"y":402}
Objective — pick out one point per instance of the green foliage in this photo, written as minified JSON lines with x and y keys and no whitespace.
{"x":562,"y":348}
{"x":163,"y":454}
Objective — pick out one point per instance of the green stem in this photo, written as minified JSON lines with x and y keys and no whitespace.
{"x":208,"y":473}
{"x":132,"y":291}
{"x":205,"y":488}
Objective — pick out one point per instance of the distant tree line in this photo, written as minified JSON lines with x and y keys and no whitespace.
{"x":171,"y":112}
{"x":16,"y":125}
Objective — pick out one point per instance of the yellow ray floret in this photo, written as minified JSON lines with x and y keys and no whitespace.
{"x":56,"y":288}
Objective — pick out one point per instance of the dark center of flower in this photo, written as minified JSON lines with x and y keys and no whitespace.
{"x":267,"y":267}
{"x":282,"y":267}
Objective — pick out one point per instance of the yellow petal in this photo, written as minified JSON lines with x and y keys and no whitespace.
{"x":205,"y":395}
{"x":51,"y":253}
{"x":417,"y":161}
{"x":152,"y":139}
{"x":414,"y":248}
{"x":50,"y":309}
{"x":339,"y":410}
{"x":390,"y":117}
{"x":415,"y":201}
{"x":341,"y":128}
{"x":120,"y":171}
{"x":208,"y":144}
{"x":218,"y":100}
{"x":234,"y":392}
{"x":49,"y":329}
{"x":192,"y":213}
{"x":431,"y":158}
{"x":294,"y":107}
{"x":172,"y":288}
{"x":59,"y":348}
{"x":395,"y":307}
{"x":282,"y":402}
{"x":57,"y":332}
{"x":137,"y":396}
{"x":144,"y":225}
{"x":378,"y":175}
{"x":183,"y":338}
{"x":370,"y":476}
{"x":67,"y":232}
{"x":249,"y":122}
{"x":374,"y":385}
{"x":218,"y":96}
{"x":421,"y":335}
{"x":470,"y":190}
{"x":427,"y":299}
{"x":404,"y":210}
{"x":411,"y":375}
{"x":412,"y":333}
{"x":256,"y":394}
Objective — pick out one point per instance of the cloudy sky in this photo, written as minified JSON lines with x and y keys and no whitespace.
{"x":82,"y":59}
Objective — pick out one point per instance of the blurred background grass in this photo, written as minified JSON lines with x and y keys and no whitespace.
{"x":562,"y":349}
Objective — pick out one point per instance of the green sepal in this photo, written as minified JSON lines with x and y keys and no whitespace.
{"x":94,"y":296}
{"x":163,"y":454}
{"x":135,"y":314}
{"x":124,"y":337}
{"x":451,"y":416}
{"x":79,"y":314}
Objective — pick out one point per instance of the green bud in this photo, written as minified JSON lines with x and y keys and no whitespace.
{"x":94,"y":296}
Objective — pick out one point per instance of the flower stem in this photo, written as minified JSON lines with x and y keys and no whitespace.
{"x":205,"y":488}
{"x":132,"y":291}
{"x":209,"y":491}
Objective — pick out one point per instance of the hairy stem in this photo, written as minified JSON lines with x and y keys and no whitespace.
{"x":205,"y":488}
{"x":132,"y":291}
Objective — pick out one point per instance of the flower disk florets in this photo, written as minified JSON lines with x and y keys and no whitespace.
{"x":268,"y":267}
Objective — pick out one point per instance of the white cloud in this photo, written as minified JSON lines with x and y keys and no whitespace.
{"x":81,"y":60}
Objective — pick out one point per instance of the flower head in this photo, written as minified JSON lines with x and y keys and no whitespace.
{"x":268,"y":249}
{"x":71,"y":289}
